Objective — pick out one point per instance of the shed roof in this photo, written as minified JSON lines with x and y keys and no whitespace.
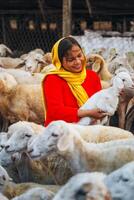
{"x":98,"y":7}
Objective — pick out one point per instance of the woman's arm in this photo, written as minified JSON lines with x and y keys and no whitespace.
{"x":55,"y":102}
{"x":94,"y":113}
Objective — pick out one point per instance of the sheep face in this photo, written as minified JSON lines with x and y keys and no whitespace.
{"x":121,"y":182}
{"x":4,"y":177}
{"x":88,"y":186}
{"x":122,"y":80}
{"x":32,"y":62}
{"x":47,"y":141}
{"x":19,"y":138}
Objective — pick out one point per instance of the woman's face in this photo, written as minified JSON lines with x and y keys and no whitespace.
{"x":73,"y":61}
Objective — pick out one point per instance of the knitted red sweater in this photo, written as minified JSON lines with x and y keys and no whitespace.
{"x":60,"y":102}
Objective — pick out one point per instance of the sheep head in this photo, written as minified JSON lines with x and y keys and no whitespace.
{"x":100,"y":66}
{"x":32,"y":60}
{"x":49,"y":141}
{"x":122,"y":80}
{"x":20,"y":133}
{"x":84,"y":186}
{"x":7,"y":82}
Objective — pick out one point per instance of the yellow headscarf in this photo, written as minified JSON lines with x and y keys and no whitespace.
{"x":74,"y":80}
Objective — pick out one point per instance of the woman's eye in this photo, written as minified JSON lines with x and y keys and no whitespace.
{"x":80,"y":55}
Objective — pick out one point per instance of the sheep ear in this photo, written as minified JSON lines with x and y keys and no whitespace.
{"x":24,"y":56}
{"x":65,"y":142}
{"x":96,"y":66}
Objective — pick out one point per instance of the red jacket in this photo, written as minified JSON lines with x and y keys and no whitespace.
{"x":60,"y":102}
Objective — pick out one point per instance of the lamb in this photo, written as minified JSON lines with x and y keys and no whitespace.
{"x":107,"y":99}
{"x":81,"y":155}
{"x":35,"y":193}
{"x":20,"y":133}
{"x":14,"y":95}
{"x":88,"y":186}
{"x":121,"y":182}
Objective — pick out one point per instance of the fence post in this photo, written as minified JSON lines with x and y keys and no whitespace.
{"x":66,"y":17}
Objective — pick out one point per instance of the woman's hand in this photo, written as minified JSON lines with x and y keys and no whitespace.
{"x":94,"y":113}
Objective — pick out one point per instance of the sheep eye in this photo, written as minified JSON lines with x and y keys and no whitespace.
{"x":54,"y":135}
{"x":123,"y":80}
{"x":28,"y":135}
{"x":3,"y":177}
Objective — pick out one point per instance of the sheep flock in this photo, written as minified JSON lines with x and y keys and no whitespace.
{"x":66,"y":161}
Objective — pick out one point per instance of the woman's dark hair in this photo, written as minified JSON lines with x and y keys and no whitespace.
{"x":65,"y":45}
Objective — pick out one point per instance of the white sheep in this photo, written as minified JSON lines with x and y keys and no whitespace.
{"x":81,"y":155}
{"x":121,"y":182}
{"x":20,"y":133}
{"x":96,"y":134}
{"x":86,"y":186}
{"x":107,"y":99}
{"x":35,"y":193}
{"x":14,"y":95}
{"x":33,"y":61}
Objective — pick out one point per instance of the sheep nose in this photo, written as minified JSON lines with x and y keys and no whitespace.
{"x":2,"y":146}
{"x":6,"y":147}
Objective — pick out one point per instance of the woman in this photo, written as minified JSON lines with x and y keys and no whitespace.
{"x":70,"y":85}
